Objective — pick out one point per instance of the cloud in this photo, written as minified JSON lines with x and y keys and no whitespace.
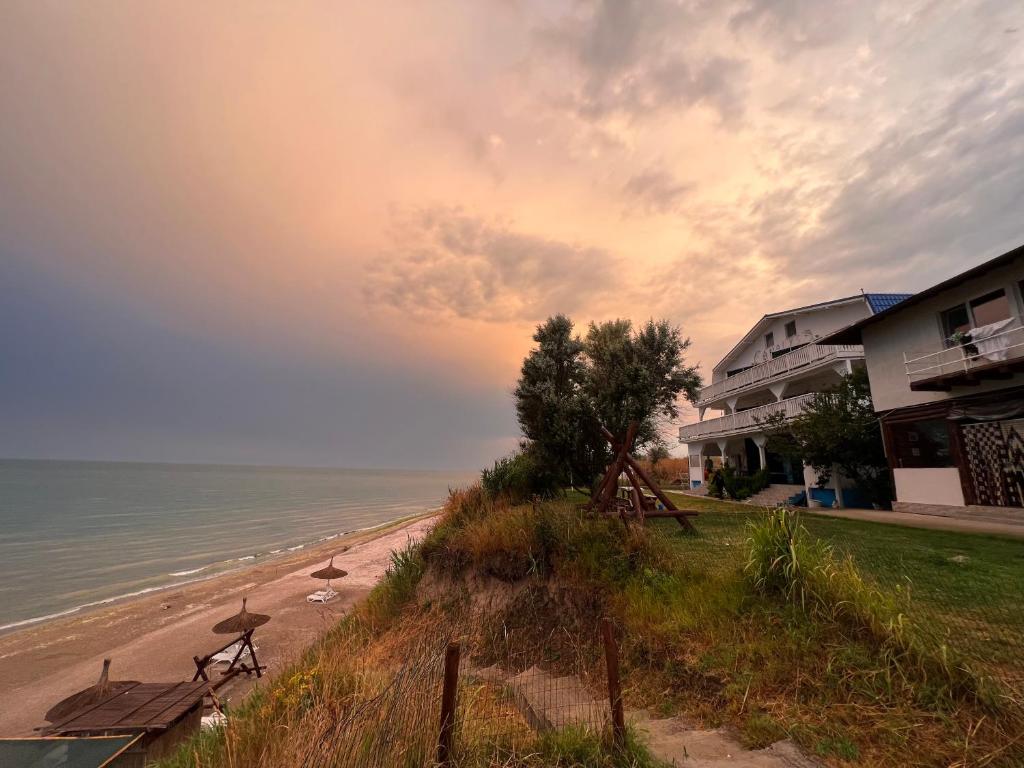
{"x":925,"y":200}
{"x":657,"y":191}
{"x":636,"y":58}
{"x":794,"y":25}
{"x":446,"y":262}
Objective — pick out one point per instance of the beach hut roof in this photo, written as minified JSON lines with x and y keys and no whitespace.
{"x":243,"y":621}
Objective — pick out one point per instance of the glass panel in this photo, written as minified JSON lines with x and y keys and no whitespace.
{"x":990,"y":308}
{"x":921,"y":444}
{"x":769,"y":340}
{"x":791,"y":329}
{"x":955,"y":320}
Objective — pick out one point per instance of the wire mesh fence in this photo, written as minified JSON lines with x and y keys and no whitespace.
{"x":506,"y":694}
{"x":511,"y":692}
{"x":389,"y":719}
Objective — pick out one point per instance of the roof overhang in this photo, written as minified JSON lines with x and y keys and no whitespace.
{"x":761,"y":324}
{"x":851,"y":334}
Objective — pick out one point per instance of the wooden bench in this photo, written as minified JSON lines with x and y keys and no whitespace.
{"x":626,"y":510}
{"x":237,"y":666}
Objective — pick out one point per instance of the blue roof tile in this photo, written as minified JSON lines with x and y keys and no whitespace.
{"x":879,"y":302}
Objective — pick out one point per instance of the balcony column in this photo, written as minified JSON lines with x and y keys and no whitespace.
{"x":701,"y":410}
{"x":697,"y":467}
{"x":761,"y":441}
{"x":837,"y":484}
{"x":723,"y":446}
{"x":778,"y":390}
{"x":844,"y":367}
{"x":730,"y":404}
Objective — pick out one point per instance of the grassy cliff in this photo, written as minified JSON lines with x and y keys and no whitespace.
{"x":751,"y":624}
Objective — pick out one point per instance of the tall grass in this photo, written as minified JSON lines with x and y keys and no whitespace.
{"x":785,"y":560}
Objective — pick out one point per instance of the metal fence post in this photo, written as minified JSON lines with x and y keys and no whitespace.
{"x":611,"y":655}
{"x":451,"y":685}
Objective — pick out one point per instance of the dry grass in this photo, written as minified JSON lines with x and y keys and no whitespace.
{"x":822,"y":655}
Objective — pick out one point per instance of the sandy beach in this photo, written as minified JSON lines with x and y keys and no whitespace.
{"x":153,"y":638}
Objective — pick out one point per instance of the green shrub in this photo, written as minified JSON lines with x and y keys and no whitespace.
{"x":519,"y":477}
{"x":726,"y":481}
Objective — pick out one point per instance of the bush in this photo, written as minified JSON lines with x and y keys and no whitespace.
{"x":518,"y":478}
{"x":727,"y":481}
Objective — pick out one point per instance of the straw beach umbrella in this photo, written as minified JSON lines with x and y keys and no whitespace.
{"x":94,"y":694}
{"x":243,"y":621}
{"x":328,"y":573}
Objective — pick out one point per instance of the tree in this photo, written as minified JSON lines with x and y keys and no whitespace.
{"x":638,"y":376}
{"x":657,"y":452}
{"x":552,"y":407}
{"x":838,"y":428}
{"x":568,"y":388}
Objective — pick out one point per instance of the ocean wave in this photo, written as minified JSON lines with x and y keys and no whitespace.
{"x":190,"y":572}
{"x":94,"y":603}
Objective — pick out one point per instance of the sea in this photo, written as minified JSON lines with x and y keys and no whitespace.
{"x":77,"y":534}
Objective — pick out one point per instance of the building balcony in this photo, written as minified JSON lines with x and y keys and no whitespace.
{"x":985,"y":354}
{"x":810,"y":357}
{"x":742,"y":422}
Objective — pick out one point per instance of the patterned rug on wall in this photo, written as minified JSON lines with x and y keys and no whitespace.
{"x":995,"y":462}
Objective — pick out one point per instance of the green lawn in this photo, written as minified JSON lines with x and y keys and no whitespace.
{"x":965,"y":590}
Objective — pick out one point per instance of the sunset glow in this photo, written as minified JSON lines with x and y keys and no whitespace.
{"x":360,"y":211}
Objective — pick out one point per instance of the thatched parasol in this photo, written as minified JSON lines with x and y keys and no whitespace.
{"x":328,"y":573}
{"x":103,"y":689}
{"x":243,"y":621}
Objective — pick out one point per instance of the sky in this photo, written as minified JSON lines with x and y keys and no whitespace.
{"x":321,"y":233}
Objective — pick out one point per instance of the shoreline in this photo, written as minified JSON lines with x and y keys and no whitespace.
{"x":153,"y":636}
{"x":242,"y":564}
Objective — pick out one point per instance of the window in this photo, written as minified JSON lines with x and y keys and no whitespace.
{"x":920,"y":444}
{"x":769,"y":340}
{"x":990,"y":308}
{"x":791,"y":329}
{"x":955,"y":320}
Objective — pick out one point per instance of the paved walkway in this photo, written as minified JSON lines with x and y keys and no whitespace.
{"x":909,"y":519}
{"x":935,"y":522}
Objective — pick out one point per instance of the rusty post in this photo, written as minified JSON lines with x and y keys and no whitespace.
{"x":611,"y":655}
{"x":451,"y":685}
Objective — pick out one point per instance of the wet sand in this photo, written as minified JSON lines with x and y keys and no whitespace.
{"x":152,"y":638}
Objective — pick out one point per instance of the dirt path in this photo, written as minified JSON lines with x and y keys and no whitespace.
{"x":153,"y":639}
{"x":679,"y":744}
{"x":554,"y":702}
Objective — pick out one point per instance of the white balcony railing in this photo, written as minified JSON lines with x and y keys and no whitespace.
{"x":742,"y":421}
{"x":811,"y":354}
{"x":1000,"y":347}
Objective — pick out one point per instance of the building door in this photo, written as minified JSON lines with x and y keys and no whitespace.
{"x":782,"y":469}
{"x":994,"y":458}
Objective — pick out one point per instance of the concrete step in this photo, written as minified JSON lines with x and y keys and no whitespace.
{"x":774,"y":495}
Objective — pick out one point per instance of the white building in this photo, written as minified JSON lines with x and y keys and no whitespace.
{"x":947,"y":379}
{"x":775,"y":368}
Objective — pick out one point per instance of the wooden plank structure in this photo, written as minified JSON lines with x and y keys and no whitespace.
{"x":236,"y":667}
{"x":637,"y":505}
{"x":142,"y":708}
{"x":162,"y":715}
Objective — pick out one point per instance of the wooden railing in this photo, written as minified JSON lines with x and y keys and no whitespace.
{"x":811,"y":354}
{"x":743,"y":421}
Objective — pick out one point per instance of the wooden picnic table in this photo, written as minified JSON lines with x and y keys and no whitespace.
{"x":236,"y":666}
